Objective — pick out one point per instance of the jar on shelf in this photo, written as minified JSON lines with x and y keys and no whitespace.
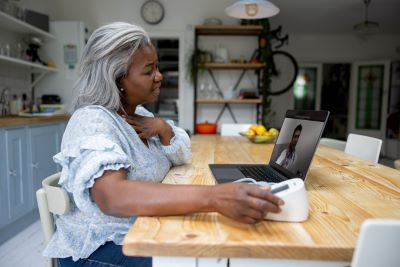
{"x":5,"y":49}
{"x":12,"y":8}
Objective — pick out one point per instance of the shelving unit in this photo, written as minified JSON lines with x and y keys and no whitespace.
{"x":35,"y":67}
{"x":11,"y":24}
{"x":8,"y":22}
{"x":225,"y":30}
{"x":168,"y":62}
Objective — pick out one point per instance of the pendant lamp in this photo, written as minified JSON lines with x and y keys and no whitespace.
{"x":366,"y":27}
{"x":252,"y":9}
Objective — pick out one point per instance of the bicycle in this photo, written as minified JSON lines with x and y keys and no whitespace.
{"x":281,"y":66}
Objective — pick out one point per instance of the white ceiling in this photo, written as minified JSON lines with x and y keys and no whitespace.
{"x":335,"y":16}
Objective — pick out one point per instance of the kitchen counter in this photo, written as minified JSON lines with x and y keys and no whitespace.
{"x":16,"y":120}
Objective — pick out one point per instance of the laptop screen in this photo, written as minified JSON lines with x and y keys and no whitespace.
{"x":297,"y":142}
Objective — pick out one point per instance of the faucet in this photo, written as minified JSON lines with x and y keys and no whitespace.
{"x":4,"y":101}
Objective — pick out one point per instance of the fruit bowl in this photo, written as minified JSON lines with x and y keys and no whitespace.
{"x":260,"y":139}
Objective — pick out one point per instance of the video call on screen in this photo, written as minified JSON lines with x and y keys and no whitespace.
{"x":294,"y":150}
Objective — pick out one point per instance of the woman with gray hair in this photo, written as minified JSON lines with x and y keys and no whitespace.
{"x":115,"y":153}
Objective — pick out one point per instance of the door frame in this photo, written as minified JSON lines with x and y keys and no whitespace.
{"x":180,"y":36}
{"x":351,"y":128}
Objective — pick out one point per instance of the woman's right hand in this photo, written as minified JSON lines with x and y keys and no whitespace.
{"x":245,"y":202}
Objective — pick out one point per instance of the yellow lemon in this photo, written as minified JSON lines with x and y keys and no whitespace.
{"x":253,"y":127}
{"x":260,"y":130}
{"x":250,"y":133}
{"x":267,"y":133}
{"x":273,"y":131}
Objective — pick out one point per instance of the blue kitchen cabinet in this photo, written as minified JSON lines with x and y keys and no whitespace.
{"x":20,"y":193}
{"x":4,"y":217}
{"x":26,"y":157}
{"x":44,"y":144}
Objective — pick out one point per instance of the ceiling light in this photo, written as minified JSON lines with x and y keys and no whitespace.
{"x":366,"y":27}
{"x":252,"y":9}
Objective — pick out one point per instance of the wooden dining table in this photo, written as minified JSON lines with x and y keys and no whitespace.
{"x":343,"y":191}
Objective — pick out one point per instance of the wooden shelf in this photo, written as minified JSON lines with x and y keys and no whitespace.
{"x":224,"y":104}
{"x":232,"y":66}
{"x":228,"y":101}
{"x":24,"y":63}
{"x":228,"y":30}
{"x":12,"y":24}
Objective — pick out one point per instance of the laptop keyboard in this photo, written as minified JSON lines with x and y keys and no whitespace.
{"x":261,"y":173}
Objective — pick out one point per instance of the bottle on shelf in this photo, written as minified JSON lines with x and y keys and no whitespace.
{"x":202,"y":94}
{"x":19,"y":51}
{"x":19,"y":104}
{"x":14,"y":105}
{"x":211,"y":93}
{"x":7,"y":49}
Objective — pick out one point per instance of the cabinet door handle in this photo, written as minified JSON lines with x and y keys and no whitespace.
{"x":35,"y":165}
{"x":12,"y":173}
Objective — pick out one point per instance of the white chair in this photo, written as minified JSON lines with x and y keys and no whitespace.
{"x":51,"y":199}
{"x":397,"y":164}
{"x":364,"y":147}
{"x":378,"y":244}
{"x":333,"y":143}
{"x":228,"y":129}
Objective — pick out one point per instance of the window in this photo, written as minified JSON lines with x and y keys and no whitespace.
{"x":369,"y":97}
{"x":305,"y":88}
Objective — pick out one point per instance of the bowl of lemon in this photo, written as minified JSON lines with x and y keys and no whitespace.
{"x":259,"y":134}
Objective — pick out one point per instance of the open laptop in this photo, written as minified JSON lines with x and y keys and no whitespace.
{"x":292,"y":153}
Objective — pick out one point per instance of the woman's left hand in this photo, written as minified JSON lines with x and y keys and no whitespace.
{"x":147,"y":127}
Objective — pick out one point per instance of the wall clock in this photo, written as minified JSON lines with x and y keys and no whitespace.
{"x":152,"y":12}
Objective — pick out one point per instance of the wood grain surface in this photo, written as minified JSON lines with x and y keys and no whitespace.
{"x":343,"y":191}
{"x":228,"y":30}
{"x":15,"y":120}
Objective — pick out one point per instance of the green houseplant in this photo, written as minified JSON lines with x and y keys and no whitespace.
{"x":263,"y":54}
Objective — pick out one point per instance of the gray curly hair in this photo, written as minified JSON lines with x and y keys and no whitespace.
{"x":105,"y":59}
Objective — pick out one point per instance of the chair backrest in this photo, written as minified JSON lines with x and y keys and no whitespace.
{"x":51,"y":199}
{"x":397,"y":164}
{"x":378,"y":244}
{"x":364,"y":147}
{"x":333,"y":143}
{"x":228,"y":129}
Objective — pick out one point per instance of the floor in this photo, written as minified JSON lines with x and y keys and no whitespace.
{"x":24,"y":250}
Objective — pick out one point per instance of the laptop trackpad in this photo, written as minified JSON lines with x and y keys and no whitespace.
{"x":226,"y":174}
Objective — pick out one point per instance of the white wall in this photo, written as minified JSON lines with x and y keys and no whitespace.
{"x":180,"y":17}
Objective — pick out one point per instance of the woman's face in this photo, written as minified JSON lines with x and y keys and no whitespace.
{"x":142,"y":82}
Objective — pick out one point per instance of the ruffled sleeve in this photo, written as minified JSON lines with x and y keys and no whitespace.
{"x":86,"y":154}
{"x":82,"y":165}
